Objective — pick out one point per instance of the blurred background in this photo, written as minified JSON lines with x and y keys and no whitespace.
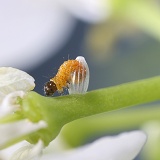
{"x":120,"y":39}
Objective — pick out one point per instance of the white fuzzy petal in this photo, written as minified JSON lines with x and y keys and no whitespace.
{"x":125,"y":146}
{"x":8,"y":104}
{"x":15,"y":130}
{"x":29,"y":152}
{"x":14,"y":80}
{"x":81,"y":86}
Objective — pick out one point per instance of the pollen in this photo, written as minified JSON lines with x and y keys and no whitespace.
{"x":73,"y":75}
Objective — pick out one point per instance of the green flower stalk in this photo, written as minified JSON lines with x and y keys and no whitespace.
{"x":59,"y":111}
{"x":107,"y":123}
{"x":26,"y":115}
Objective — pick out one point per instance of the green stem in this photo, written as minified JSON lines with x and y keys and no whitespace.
{"x":108,"y":123}
{"x":61,"y":110}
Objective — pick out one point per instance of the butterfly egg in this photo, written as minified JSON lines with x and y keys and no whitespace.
{"x":79,"y":78}
{"x":72,"y":74}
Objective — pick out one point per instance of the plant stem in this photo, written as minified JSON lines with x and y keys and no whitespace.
{"x":109,"y":123}
{"x":61,"y":110}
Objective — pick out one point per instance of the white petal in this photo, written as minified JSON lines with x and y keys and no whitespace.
{"x":125,"y":146}
{"x":7,"y":153}
{"x":151,"y":149}
{"x":12,"y":79}
{"x":81,"y":86}
{"x":9,"y":105}
{"x":28,"y":30}
{"x":29,"y":152}
{"x":88,"y":10}
{"x":16,"y":130}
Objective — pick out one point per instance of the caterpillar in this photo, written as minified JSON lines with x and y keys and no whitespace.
{"x":72,"y":74}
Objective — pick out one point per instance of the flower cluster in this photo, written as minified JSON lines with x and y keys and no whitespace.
{"x":18,"y":128}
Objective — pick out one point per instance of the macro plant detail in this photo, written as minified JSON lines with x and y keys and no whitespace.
{"x":118,"y":118}
{"x":39,"y":119}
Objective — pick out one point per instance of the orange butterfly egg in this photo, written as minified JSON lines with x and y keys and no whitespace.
{"x":72,"y":74}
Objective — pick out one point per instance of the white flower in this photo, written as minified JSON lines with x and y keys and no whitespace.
{"x":33,"y":30}
{"x":14,"y":80}
{"x":90,"y":10}
{"x":125,"y":146}
{"x":14,"y":84}
{"x":29,"y":152}
{"x":122,"y":147}
{"x":151,"y":149}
